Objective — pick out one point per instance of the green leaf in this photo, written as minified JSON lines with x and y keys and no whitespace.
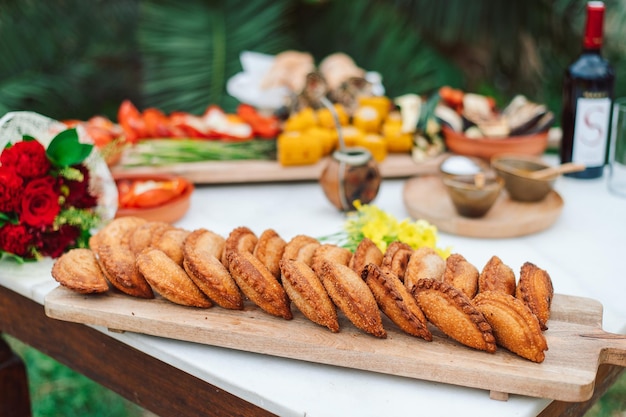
{"x":66,"y":150}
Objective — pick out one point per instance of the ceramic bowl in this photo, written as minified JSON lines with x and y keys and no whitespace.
{"x":472,"y":198}
{"x":459,"y":165}
{"x":169,"y":212}
{"x":486,"y":148}
{"x":514,"y":170}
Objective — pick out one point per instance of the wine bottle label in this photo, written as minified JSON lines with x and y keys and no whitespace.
{"x":591,"y":131}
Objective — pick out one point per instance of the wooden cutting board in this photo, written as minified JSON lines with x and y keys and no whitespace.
{"x":577,"y":343}
{"x":425,"y":197}
{"x":223,"y":172}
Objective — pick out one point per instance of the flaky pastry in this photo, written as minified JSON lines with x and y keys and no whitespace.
{"x":496,"y":276}
{"x":306,"y":291}
{"x":258,"y":284}
{"x":118,"y":264}
{"x":424,"y":263}
{"x":396,"y":258}
{"x":146,"y":235}
{"x":78,"y":270}
{"x":241,"y":239}
{"x":301,"y":248}
{"x":201,"y":251}
{"x":114,"y":232}
{"x":454,"y":314}
{"x":328,"y":252}
{"x":169,"y":279}
{"x":461,"y":274}
{"x":514,"y":326}
{"x":353,"y":297}
{"x":366,"y":253}
{"x":171,"y":243}
{"x":395,"y":300}
{"x":269,"y":249}
{"x":536,"y":291}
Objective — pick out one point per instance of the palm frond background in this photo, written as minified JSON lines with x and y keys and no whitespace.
{"x":77,"y":58}
{"x":67,"y":59}
{"x":191,"y":48}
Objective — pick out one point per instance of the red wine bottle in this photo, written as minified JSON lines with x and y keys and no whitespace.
{"x":587,"y":98}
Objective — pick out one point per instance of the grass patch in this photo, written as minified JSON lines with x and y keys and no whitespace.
{"x":613,"y":402}
{"x":56,"y":390}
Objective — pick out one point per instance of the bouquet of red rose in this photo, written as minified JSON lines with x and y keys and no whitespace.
{"x":46,"y":204}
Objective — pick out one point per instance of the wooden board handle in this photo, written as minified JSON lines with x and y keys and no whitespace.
{"x":613,"y":347}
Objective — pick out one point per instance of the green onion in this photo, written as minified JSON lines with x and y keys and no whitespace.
{"x":156,"y":152}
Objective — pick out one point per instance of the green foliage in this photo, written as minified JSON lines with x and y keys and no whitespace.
{"x":67,"y":59}
{"x":56,"y":390}
{"x":66,"y":150}
{"x":379,"y":38}
{"x":178,"y":55}
{"x":190,"y":49}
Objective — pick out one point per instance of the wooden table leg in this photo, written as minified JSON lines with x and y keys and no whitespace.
{"x":14,"y":395}
{"x":142,"y":379}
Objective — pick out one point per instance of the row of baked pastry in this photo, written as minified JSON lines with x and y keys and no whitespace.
{"x":412,"y":287}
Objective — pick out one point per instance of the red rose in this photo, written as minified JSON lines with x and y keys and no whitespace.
{"x":79,"y":195}
{"x":40,"y":202}
{"x":53,"y":244}
{"x":15,"y":239}
{"x":10,"y":189}
{"x":27,"y":157}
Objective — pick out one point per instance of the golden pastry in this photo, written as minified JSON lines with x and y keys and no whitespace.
{"x":169,"y":279}
{"x":424,"y":263}
{"x":352,"y":295}
{"x":454,"y":314}
{"x":331,"y":253}
{"x":258,"y":284}
{"x":115,"y":231}
{"x":201,"y":251}
{"x":306,"y":291}
{"x":239,"y":239}
{"x":118,"y":264}
{"x":146,"y":235}
{"x":514,"y":326}
{"x":206,"y":242}
{"x":269,"y":249}
{"x":396,"y":258}
{"x":496,"y":276}
{"x":536,"y":291}
{"x":78,"y":270}
{"x":171,"y":243}
{"x":301,"y":247}
{"x":461,"y":275}
{"x":396,"y":301}
{"x":366,"y":253}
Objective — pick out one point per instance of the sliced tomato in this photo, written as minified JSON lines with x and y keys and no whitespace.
{"x":262,"y":126}
{"x":157,"y":123}
{"x":131,"y":120}
{"x":148,"y":193}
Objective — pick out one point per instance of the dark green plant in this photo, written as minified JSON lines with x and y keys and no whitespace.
{"x":190,"y":49}
{"x":379,"y":37}
{"x":67,"y":59}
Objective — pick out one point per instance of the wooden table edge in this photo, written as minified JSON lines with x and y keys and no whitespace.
{"x":146,"y":381}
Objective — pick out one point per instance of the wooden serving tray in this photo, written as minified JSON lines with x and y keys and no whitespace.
{"x":425,"y":197}
{"x":223,"y":172}
{"x":577,"y":343}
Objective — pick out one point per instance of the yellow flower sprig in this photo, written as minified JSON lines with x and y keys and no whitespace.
{"x":369,"y":221}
